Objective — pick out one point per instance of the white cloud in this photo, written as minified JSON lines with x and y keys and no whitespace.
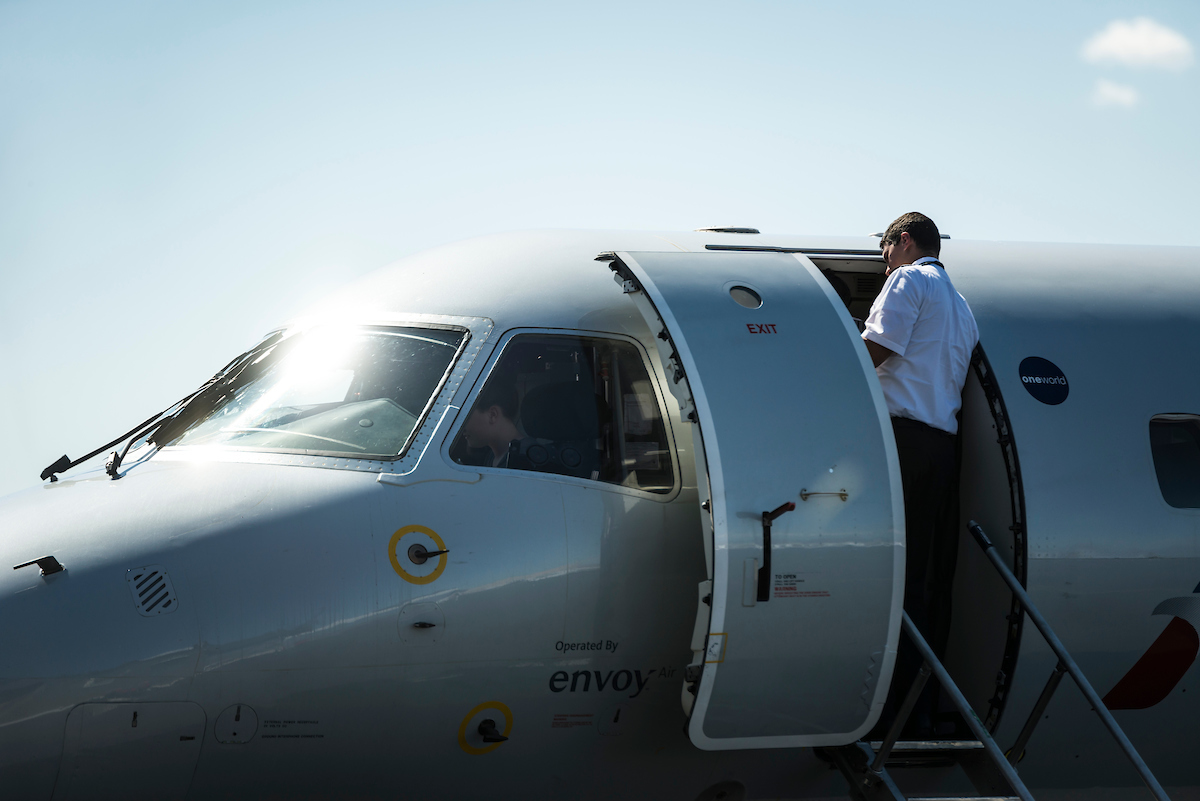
{"x":1140,"y":42}
{"x":1108,"y":94}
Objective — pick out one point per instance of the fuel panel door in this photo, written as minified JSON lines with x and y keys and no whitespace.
{"x":805,"y":612}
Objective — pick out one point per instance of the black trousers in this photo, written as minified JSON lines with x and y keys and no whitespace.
{"x":929,"y":469}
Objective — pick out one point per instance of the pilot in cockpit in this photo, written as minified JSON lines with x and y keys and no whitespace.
{"x":569,"y":405}
{"x":493,"y":422}
{"x":540,"y":432}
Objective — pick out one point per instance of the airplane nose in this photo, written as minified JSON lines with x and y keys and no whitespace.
{"x":74,"y":626}
{"x":83,"y":590}
{"x":145,"y":595}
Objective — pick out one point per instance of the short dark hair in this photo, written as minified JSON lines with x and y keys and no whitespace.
{"x":922,"y":229}
{"x":499,"y":391}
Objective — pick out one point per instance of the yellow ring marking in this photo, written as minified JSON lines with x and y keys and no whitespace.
{"x":462,"y":730}
{"x":443,"y":560}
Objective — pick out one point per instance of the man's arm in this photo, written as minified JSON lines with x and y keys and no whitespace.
{"x":893,"y":315}
{"x":879,"y":354}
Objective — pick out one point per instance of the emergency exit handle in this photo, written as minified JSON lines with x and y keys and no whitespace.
{"x":764,"y":572}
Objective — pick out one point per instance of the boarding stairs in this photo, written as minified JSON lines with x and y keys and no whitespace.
{"x":993,"y":773}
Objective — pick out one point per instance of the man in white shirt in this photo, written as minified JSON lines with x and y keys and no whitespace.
{"x":920,"y":335}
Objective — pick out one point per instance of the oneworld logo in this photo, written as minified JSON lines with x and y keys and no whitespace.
{"x":1043,"y":380}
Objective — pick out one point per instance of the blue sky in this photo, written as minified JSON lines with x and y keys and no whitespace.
{"x":177,"y":178}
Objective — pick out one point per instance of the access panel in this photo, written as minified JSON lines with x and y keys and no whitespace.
{"x":130,"y":751}
{"x":806,"y":602}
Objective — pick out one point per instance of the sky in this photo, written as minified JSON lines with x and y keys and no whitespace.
{"x":178,"y":178}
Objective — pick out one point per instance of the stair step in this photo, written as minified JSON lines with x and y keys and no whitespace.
{"x":929,"y":745}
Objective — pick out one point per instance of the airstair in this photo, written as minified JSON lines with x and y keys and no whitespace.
{"x":992,"y":772}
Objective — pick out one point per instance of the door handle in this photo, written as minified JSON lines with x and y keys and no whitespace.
{"x":48,"y":564}
{"x":764,"y":572}
{"x":487,"y":730}
{"x":805,"y":494}
{"x":419,"y":556}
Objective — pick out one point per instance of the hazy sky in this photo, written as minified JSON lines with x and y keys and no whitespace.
{"x":176,"y":178}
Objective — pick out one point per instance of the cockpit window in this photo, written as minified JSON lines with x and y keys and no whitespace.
{"x":575,"y":406}
{"x":337,"y":391}
{"x":1175,"y":445}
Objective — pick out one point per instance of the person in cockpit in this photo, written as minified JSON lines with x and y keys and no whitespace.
{"x":493,"y":422}
{"x":573,"y":406}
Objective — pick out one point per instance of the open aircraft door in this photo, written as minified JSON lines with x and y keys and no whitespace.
{"x":805,"y":607}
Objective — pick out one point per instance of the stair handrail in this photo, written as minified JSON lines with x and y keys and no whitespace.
{"x":964,"y":709}
{"x":1064,"y":662}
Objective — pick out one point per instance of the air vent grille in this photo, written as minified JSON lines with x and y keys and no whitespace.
{"x":152,"y":590}
{"x":867,"y":285}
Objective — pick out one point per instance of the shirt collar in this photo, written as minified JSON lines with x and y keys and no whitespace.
{"x":928,"y":260}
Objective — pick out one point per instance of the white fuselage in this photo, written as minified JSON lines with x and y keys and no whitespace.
{"x":565,"y":607}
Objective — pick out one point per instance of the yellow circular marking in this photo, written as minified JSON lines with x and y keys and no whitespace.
{"x":462,"y":730}
{"x":443,"y":560}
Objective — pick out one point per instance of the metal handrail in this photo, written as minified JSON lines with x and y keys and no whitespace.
{"x":1065,"y":662}
{"x":964,"y":709}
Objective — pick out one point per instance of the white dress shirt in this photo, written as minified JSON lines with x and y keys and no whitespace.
{"x":929,"y":326}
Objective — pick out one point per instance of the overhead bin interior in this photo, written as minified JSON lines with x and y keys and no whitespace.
{"x":861,"y":279}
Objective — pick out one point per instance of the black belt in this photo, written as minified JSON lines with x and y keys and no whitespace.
{"x":917,"y":425}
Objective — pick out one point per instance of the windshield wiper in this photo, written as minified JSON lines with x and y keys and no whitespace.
{"x":170,"y":422}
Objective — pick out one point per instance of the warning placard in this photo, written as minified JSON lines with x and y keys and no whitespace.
{"x":790,"y":585}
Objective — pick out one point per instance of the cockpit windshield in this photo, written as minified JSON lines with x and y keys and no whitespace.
{"x":338,"y":391}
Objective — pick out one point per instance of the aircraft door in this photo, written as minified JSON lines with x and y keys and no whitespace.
{"x":805,"y":608}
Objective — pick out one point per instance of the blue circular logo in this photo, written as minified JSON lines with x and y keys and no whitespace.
{"x":1044,"y":381}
